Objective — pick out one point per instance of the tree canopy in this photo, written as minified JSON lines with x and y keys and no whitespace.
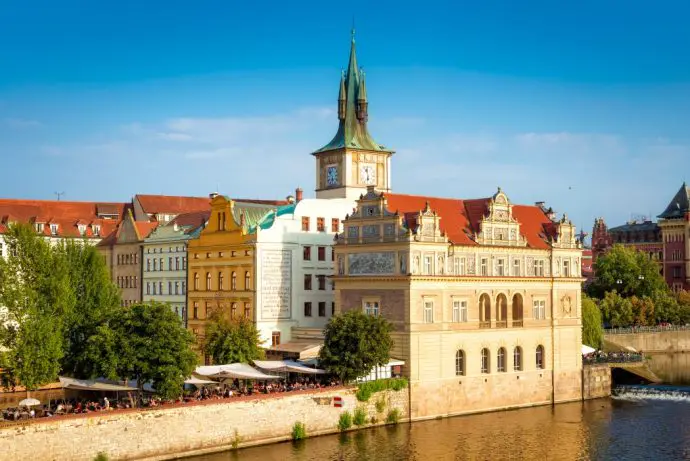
{"x":230,"y":341}
{"x":355,"y":343}
{"x":147,"y":343}
{"x":627,"y":271}
{"x":592,"y":323}
{"x":37,"y":297}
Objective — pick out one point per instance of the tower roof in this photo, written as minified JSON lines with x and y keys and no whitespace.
{"x":680,"y":204}
{"x":352,"y":131}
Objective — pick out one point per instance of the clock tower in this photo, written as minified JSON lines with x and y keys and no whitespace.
{"x":352,"y":160}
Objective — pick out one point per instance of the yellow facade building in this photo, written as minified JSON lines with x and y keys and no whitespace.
{"x":221,"y":264}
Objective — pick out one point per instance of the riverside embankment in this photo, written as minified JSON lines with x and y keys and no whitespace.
{"x":194,"y":428}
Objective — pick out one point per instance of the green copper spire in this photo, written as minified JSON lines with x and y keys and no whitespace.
{"x":352,"y":110}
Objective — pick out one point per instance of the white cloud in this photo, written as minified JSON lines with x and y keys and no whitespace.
{"x":172,"y":136}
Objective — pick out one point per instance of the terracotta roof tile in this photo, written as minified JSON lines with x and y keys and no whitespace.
{"x":460,"y":218}
{"x":154,"y":204}
{"x":63,"y":213}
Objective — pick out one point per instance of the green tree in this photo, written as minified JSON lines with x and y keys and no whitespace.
{"x":97,"y":298}
{"x":627,"y":271}
{"x":35,"y":291}
{"x":230,"y":341}
{"x":616,"y":310}
{"x":683,"y":300}
{"x":355,"y":343}
{"x":643,"y":310}
{"x":592,"y":324}
{"x":146,"y":343}
{"x":666,"y":307}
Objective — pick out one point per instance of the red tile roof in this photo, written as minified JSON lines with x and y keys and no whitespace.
{"x":145,"y":228}
{"x":460,"y":218}
{"x":65,"y":214}
{"x":155,"y":204}
{"x":192,"y":220}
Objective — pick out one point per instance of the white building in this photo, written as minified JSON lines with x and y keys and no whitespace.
{"x":294,"y":262}
{"x":164,"y":270}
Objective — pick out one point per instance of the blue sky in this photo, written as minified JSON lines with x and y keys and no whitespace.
{"x":586,"y":107}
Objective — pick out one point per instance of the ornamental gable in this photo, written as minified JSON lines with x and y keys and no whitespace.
{"x":498,"y":226}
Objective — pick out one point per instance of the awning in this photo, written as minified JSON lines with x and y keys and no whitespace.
{"x":233,"y":371}
{"x":587,"y":350}
{"x":199,"y":382}
{"x":88,"y":385}
{"x":305,"y":349}
{"x":287,"y":366}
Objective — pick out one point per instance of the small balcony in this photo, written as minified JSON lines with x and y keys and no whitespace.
{"x":518,"y":324}
{"x":485,"y":324}
{"x":502,"y":324}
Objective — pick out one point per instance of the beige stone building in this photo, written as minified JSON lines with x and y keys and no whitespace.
{"x":484,"y":294}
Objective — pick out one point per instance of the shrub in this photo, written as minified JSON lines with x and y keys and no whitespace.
{"x":380,"y":405}
{"x":345,"y":421}
{"x":101,"y":456}
{"x":299,"y":431}
{"x":365,"y":390}
{"x":360,"y":418}
{"x":393,"y":416}
{"x":374,"y":420}
{"x":236,"y":440}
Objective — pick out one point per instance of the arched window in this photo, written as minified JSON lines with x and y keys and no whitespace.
{"x":221,"y":285}
{"x":501,"y":311}
{"x":484,"y":311}
{"x":460,"y":363}
{"x":233,"y":311}
{"x":485,"y":361}
{"x":208,"y":281}
{"x":540,"y":357}
{"x":247,"y":281}
{"x":233,"y":281}
{"x":517,"y":359}
{"x":196,"y":278}
{"x":501,"y":360}
{"x":517,"y":310}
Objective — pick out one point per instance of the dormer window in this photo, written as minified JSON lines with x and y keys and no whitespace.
{"x":96,"y":229}
{"x":39,"y":227}
{"x":53,"y":229}
{"x":82,"y":228}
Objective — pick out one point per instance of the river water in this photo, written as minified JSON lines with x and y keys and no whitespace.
{"x":627,"y":427}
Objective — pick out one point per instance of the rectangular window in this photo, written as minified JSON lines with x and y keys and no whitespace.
{"x":566,"y":268}
{"x":306,"y":253}
{"x":247,"y":310}
{"x":307,"y":281}
{"x":322,"y":282}
{"x":539,"y":268}
{"x":148,"y":265}
{"x":305,"y":223}
{"x":160,"y":288}
{"x":307,"y":309}
{"x":160,"y":263}
{"x":184,"y":287}
{"x":428,"y":312}
{"x":170,"y":263}
{"x":428,"y":265}
{"x":335,"y":225}
{"x":484,"y":266}
{"x":459,"y":311}
{"x":177,"y":263}
{"x":148,"y":288}
{"x":321,"y":224}
{"x":154,"y":288}
{"x":322,"y":253}
{"x":332,"y":308}
{"x":500,"y":267}
{"x":184,"y":263}
{"x":516,"y":267}
{"x":332,"y":253}
{"x":322,"y":309}
{"x":177,"y":288}
{"x":459,"y":264}
{"x":155,"y":264}
{"x":170,"y":291}
{"x":539,"y":309}
{"x":371,"y":308}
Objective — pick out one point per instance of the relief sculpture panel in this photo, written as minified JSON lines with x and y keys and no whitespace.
{"x":371,"y":263}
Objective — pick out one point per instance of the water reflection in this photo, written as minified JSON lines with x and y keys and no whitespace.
{"x":599,"y":430}
{"x":671,"y":368}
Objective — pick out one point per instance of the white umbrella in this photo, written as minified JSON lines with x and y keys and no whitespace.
{"x":587,"y":350}
{"x":29,"y":403}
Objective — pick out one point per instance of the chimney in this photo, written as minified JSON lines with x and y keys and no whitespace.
{"x":298,"y":195}
{"x":213,"y":195}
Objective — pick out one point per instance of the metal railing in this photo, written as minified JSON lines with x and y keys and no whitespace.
{"x":485,"y":324}
{"x":502,"y":324}
{"x":653,"y":329}
{"x":518,"y":323}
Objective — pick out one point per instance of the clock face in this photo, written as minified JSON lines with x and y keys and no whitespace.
{"x":332,"y":175}
{"x":367,"y":174}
